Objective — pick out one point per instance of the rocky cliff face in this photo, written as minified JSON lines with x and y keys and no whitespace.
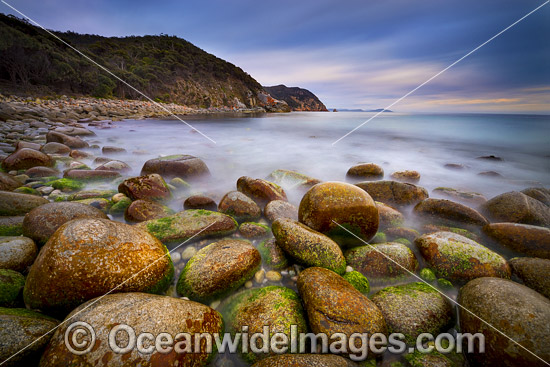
{"x":165,"y":68}
{"x":297,"y":98}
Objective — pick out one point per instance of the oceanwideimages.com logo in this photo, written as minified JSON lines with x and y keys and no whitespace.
{"x":80,"y":339}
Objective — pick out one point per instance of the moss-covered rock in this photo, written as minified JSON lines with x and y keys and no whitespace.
{"x":428,"y":275}
{"x":217,"y":269}
{"x":373,"y":261}
{"x":305,"y":360}
{"x":85,"y":258}
{"x":11,"y":226}
{"x":254,"y":230}
{"x":27,"y":190}
{"x":388,"y":216}
{"x":365,"y":172}
{"x":195,"y":224}
{"x":520,"y":314}
{"x":358,"y":281}
{"x":307,"y":246}
{"x":525,"y":239}
{"x":41,"y":223}
{"x":91,"y":194}
{"x":279,"y":308}
{"x":329,"y":206}
{"x":66,"y":184}
{"x":413,"y":309}
{"x":11,"y":287}
{"x":120,"y":206}
{"x":142,"y":210}
{"x":458,"y":258}
{"x":24,"y":332}
{"x":272,"y":255}
{"x":239,"y":206}
{"x":150,"y":187}
{"x":143,"y":313}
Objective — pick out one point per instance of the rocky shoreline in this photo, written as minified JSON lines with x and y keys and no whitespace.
{"x":366,"y":255}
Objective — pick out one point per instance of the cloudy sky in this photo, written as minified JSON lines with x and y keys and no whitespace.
{"x":350,"y":53}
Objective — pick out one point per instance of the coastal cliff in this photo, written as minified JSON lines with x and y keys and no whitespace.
{"x":298,"y":99}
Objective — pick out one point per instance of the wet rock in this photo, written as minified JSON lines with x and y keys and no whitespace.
{"x":26,"y":158}
{"x":73,"y":142}
{"x":254,"y":230}
{"x":473,"y":199}
{"x":406,"y":176}
{"x":401,"y":232}
{"x":74,"y":131}
{"x":261,"y":191}
{"x":23,"y":331}
{"x":218,"y":269}
{"x":292,"y":180}
{"x":517,"y":207}
{"x":457,"y":258}
{"x":79,"y":154}
{"x":394,"y":193}
{"x":11,"y":226}
{"x":91,"y":194}
{"x":540,"y":193}
{"x":276,"y":307}
{"x":272,"y":255}
{"x":239,"y":206}
{"x":358,"y":281}
{"x":522,"y":238}
{"x":143,"y":313}
{"x":100,"y":203}
{"x":7,"y":182}
{"x":447,"y":212}
{"x":533,"y":272}
{"x":26,"y":144}
{"x":373,"y":261}
{"x":413,"y":309}
{"x":41,"y":172}
{"x":334,"y":306}
{"x":112,"y":150}
{"x":66,"y":184}
{"x":307,"y":246}
{"x":150,"y":187}
{"x":196,"y":224}
{"x":366,"y":171}
{"x":13,"y":204}
{"x":55,"y":148}
{"x":17,"y":253}
{"x":120,"y":207}
{"x":91,"y":175}
{"x":490,"y":158}
{"x":200,"y":202}
{"x":280,"y":209}
{"x":516,"y":311}
{"x":41,"y":222}
{"x":142,"y":210}
{"x":118,"y":166}
{"x":329,"y":205}
{"x":87,"y":257}
{"x":454,"y":166}
{"x":11,"y":286}
{"x":431,"y":228}
{"x":183,"y":166}
{"x":305,"y":360}
{"x":492,"y":174}
{"x":388,"y":216}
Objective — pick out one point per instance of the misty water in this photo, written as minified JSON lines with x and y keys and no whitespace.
{"x":255,"y":146}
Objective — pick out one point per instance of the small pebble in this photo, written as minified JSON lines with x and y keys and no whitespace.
{"x":188,"y":253}
{"x":184,"y":298}
{"x":215,"y":304}
{"x":259,"y":276}
{"x":117,"y":197}
{"x":349,"y":269}
{"x":248,"y":284}
{"x":176,"y":257}
{"x":273,"y":276}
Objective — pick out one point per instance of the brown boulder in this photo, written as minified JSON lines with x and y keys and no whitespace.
{"x":200,"y":202}
{"x":149,"y":187}
{"x":26,"y":158}
{"x":394,"y":193}
{"x":447,"y":212}
{"x":517,"y":207}
{"x":261,"y":191}
{"x":55,"y":148}
{"x":522,"y":238}
{"x":366,"y":171}
{"x":186,"y":167}
{"x":90,"y":174}
{"x":533,"y":272}
{"x":277,"y":209}
{"x":239,"y":206}
{"x":540,"y":193}
{"x":142,"y":210}
{"x":71,"y":141}
{"x":8,"y":183}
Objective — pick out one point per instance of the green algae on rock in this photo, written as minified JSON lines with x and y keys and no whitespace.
{"x":458,"y":258}
{"x":272,"y":255}
{"x":217,"y":269}
{"x":329,"y":206}
{"x":143,"y":313}
{"x":11,"y":225}
{"x":307,"y":246}
{"x":413,"y":309}
{"x":11,"y":286}
{"x":190,"y":224}
{"x":66,"y":184}
{"x":277,"y":307}
{"x":149,"y":187}
{"x":239,"y":206}
{"x":358,"y":281}
{"x":85,"y":258}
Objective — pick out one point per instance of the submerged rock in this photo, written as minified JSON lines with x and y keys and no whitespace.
{"x":279,"y":308}
{"x":457,"y":258}
{"x":465,"y":197}
{"x":406,"y":176}
{"x":533,"y":272}
{"x":143,"y":313}
{"x":239,"y":206}
{"x":183,"y":166}
{"x":17,"y":253}
{"x":87,"y":257}
{"x":217,"y":269}
{"x":91,"y":175}
{"x":272,"y":255}
{"x":394,"y":193}
{"x":522,"y":238}
{"x":26,"y":332}
{"x":41,"y":223}
{"x":516,"y":207}
{"x":366,"y":171}
{"x":291,"y":179}
{"x":518,"y":312}
{"x":329,"y":206}
{"x":188,"y":224}
{"x":307,"y":246}
{"x":413,"y":309}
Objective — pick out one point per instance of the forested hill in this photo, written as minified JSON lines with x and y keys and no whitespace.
{"x":297,"y":98}
{"x":166,"y":68}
